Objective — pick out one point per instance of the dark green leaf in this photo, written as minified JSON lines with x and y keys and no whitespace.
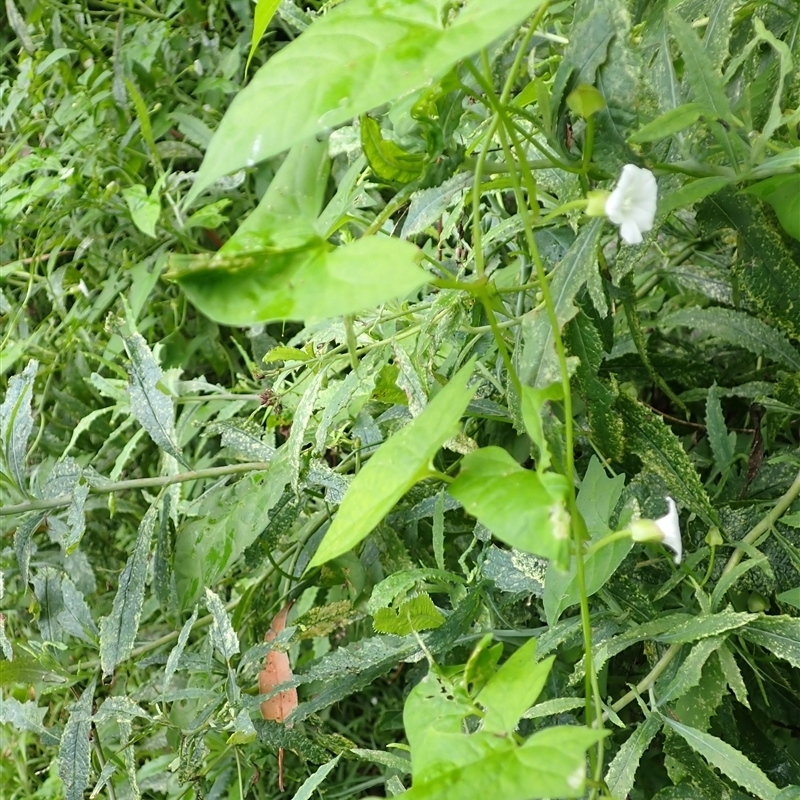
{"x":727,"y":760}
{"x":779,"y":635}
{"x":622,"y":770}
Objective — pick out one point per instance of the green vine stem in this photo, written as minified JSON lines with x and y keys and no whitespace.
{"x":137,"y":483}
{"x":594,"y":709}
{"x":765,"y":524}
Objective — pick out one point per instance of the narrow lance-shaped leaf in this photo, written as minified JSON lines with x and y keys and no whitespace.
{"x":152,"y":407}
{"x":302,"y":416}
{"x":226,"y":642}
{"x":722,"y":444}
{"x":622,"y":770}
{"x":175,"y":654}
{"x":16,"y":422}
{"x":779,"y":635}
{"x":118,"y":629}
{"x":705,"y":80}
{"x":306,"y":791}
{"x":27,"y":716}
{"x":539,"y":365}
{"x":23,"y":542}
{"x":397,"y":465}
{"x":74,"y":753}
{"x":739,"y":329}
{"x":728,"y":760}
{"x":356,"y":57}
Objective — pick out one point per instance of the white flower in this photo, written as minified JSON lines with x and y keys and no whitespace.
{"x":670,"y":528}
{"x":665,"y":530}
{"x":632,"y":204}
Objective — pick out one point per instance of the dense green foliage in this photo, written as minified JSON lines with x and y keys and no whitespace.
{"x":304,"y":302}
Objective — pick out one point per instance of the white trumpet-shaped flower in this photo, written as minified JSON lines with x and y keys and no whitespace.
{"x":632,"y":204}
{"x":665,"y":530}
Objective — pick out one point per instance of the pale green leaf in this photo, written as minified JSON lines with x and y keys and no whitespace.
{"x":691,"y":193}
{"x":428,"y":205}
{"x":262,"y":16}
{"x":356,"y":57}
{"x":226,"y":642}
{"x":733,"y":675}
{"x":152,"y":408}
{"x":417,"y":614}
{"x":145,"y":208}
{"x":76,"y":617}
{"x":16,"y":422}
{"x":399,"y":463}
{"x":438,"y":531}
{"x":514,"y":503}
{"x":399,"y":583}
{"x":513,"y":689}
{"x":539,"y":364}
{"x":27,"y":716}
{"x":668,"y":123}
{"x":175,"y":654}
{"x":118,"y":629}
{"x":74,"y":754}
{"x":229,"y":520}
{"x":302,"y":416}
{"x":312,"y":782}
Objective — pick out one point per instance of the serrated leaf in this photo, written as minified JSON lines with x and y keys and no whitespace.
{"x":76,"y":518}
{"x":733,"y":675}
{"x":74,"y":754}
{"x":622,"y":770}
{"x":27,"y":716}
{"x":780,"y":635}
{"x":226,"y":642}
{"x":152,"y":408}
{"x":47,"y":588}
{"x":302,"y":416}
{"x":660,"y":451}
{"x":417,"y":614}
{"x":428,"y":205}
{"x":397,"y":584}
{"x":360,"y":380}
{"x":354,"y":58}
{"x":729,"y":761}
{"x":23,"y":541}
{"x":243,"y":437}
{"x":16,"y":422}
{"x":118,"y":629}
{"x":586,"y":52}
{"x":704,"y":78}
{"x":514,"y":571}
{"x":350,"y":668}
{"x":691,"y":670}
{"x":175,"y":654}
{"x":722,"y":446}
{"x":539,"y":364}
{"x":399,"y":463}
{"x":737,"y":328}
{"x":388,"y":160}
{"x":76,"y":618}
{"x":438,"y":531}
